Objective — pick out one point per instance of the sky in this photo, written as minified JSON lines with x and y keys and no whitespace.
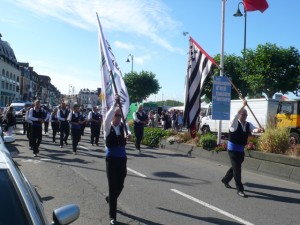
{"x":59,"y":38}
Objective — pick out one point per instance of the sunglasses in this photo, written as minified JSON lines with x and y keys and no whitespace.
{"x":118,"y":115}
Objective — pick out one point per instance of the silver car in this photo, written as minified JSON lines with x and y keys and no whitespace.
{"x":20,"y":203}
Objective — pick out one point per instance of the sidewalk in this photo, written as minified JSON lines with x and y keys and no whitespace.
{"x":276,"y":165}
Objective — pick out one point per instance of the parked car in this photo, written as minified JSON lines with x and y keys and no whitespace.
{"x":20,"y":203}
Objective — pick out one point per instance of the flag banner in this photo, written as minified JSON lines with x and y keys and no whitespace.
{"x":199,"y":69}
{"x":109,"y":65}
{"x":253,"y":5}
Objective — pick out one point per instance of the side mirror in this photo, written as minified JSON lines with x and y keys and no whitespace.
{"x":65,"y":214}
{"x":8,"y":139}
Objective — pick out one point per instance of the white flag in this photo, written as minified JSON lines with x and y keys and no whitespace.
{"x":109,"y":65}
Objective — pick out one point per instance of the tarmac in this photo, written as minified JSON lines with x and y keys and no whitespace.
{"x":276,"y":165}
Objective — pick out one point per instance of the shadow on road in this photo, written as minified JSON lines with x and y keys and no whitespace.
{"x":211,"y":220}
{"x":138,"y":219}
{"x":272,"y":197}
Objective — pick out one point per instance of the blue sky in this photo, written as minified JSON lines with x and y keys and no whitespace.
{"x":59,"y":38}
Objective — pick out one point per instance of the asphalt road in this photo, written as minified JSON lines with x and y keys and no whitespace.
{"x":162,"y":187}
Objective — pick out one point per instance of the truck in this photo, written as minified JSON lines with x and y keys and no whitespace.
{"x":288,"y":115}
{"x":265,"y":111}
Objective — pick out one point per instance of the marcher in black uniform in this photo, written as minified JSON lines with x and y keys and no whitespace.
{"x":140,"y":120}
{"x":83,"y":125}
{"x":24,"y":121}
{"x":75,"y":120}
{"x":239,"y":131}
{"x":36,"y":115}
{"x":116,"y":159}
{"x":64,"y":128}
{"x":47,"y":119}
{"x":29,"y":124}
{"x":95,"y":118}
{"x":54,"y":124}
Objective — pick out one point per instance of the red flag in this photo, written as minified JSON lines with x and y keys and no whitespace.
{"x":253,"y":5}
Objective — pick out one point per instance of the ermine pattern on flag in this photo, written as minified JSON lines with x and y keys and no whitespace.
{"x":199,"y":69}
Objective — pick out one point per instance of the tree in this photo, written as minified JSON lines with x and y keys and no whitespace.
{"x":141,"y":86}
{"x":267,"y":69}
{"x":233,"y":66}
{"x":273,"y":69}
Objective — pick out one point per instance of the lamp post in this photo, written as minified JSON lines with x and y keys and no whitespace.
{"x":128,"y":60}
{"x":240,"y":14}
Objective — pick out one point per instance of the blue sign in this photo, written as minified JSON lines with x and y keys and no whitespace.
{"x":221,"y":98}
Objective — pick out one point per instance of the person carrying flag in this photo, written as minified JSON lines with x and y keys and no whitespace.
{"x":116,"y":159}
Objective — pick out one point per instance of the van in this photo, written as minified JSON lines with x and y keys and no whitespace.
{"x":18,"y":110}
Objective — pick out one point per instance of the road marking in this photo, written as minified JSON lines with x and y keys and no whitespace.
{"x":82,"y":147}
{"x":213,"y":207}
{"x":31,"y":160}
{"x":135,"y":172}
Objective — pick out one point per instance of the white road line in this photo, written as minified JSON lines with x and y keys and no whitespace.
{"x":82,"y":147}
{"x":213,"y":207}
{"x":135,"y":172}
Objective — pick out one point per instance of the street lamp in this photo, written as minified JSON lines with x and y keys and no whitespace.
{"x":128,"y":60}
{"x":240,"y":14}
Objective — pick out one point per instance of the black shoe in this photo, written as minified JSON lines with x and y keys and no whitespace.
{"x":66,"y":143}
{"x":35,"y":155}
{"x":242,"y":194}
{"x":107,"y":199}
{"x":61,"y":146}
{"x":226,"y":184}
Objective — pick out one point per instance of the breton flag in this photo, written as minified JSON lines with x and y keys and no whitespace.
{"x":109,"y":65}
{"x":199,"y":69}
{"x":253,"y":5}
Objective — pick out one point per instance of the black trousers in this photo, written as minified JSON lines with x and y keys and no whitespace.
{"x":46,"y":125}
{"x":36,"y":138}
{"x":64,"y":131}
{"x":55,"y":129}
{"x":29,"y":133}
{"x":76,"y":136}
{"x":95,"y":133}
{"x":139,"y":134}
{"x":116,"y":170}
{"x":235,"y":171}
{"x":25,"y":125}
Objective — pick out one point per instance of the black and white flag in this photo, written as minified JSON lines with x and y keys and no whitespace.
{"x":199,"y":69}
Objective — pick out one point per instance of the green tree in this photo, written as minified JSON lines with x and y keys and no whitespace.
{"x":141,"y":86}
{"x":233,"y":66}
{"x":267,"y":69}
{"x":169,"y":103}
{"x":272,"y":69}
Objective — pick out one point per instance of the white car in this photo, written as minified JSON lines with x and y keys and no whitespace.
{"x":20,"y":203}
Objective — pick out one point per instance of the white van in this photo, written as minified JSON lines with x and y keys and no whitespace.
{"x":18,"y":107}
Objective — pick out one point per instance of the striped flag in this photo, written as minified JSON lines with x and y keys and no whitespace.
{"x":109,"y":65}
{"x":199,"y":69}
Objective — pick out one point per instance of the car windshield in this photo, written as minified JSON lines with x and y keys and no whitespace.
{"x":18,"y":108}
{"x":11,"y":206}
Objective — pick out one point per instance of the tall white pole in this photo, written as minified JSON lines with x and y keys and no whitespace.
{"x":222,"y":60}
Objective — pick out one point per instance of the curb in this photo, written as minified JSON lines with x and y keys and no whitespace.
{"x":276,"y":165}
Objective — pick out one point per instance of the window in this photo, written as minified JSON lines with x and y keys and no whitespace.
{"x":11,"y":206}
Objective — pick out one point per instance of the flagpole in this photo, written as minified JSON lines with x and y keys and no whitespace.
{"x":222,"y":61}
{"x":110,"y":66}
{"x":119,"y":102}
